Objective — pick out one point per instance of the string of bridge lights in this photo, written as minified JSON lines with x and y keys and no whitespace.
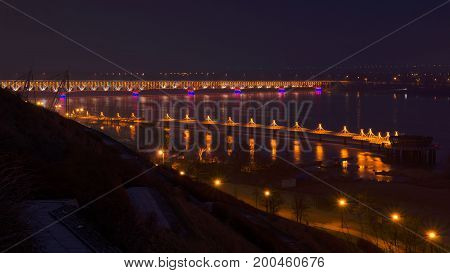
{"x":363,"y":135}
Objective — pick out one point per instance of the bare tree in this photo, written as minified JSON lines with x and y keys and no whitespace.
{"x":273,"y":202}
{"x":299,"y":207}
{"x":256,"y":195}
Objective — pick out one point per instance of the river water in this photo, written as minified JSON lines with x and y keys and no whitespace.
{"x":186,"y":146}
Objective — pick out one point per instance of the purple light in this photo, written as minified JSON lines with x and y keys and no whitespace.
{"x":135,"y":93}
{"x":191,"y":92}
{"x":318,"y":90}
{"x":281,"y":90}
{"x":237,"y":91}
{"x":62,"y":96}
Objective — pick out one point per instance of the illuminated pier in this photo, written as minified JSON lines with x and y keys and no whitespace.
{"x":403,"y":148}
{"x":345,"y":135}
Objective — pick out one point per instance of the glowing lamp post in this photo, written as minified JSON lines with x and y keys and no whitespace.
{"x":267,"y":195}
{"x":342,"y":203}
{"x":395,"y":217}
{"x":217,"y":182}
{"x":162,"y":155}
{"x":432,"y":235}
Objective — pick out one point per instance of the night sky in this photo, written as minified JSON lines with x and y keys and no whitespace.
{"x":219,"y":35}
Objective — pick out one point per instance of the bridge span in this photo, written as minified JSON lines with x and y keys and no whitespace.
{"x":121,"y":85}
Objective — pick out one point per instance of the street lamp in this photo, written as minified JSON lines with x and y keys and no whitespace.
{"x":217,"y":182}
{"x":395,"y":217}
{"x":432,"y":235}
{"x":267,"y":194}
{"x":182,"y":173}
{"x":342,"y":203}
{"x":161,"y":153}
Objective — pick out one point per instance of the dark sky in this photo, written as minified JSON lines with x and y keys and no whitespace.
{"x":219,"y":35}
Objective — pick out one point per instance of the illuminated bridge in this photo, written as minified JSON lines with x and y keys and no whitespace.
{"x":119,"y":85}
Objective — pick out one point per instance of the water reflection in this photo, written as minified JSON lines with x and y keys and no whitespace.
{"x":230,"y":142}
{"x":369,"y":164}
{"x":187,"y":136}
{"x":273,"y":146}
{"x":319,"y":152}
{"x":333,"y":110}
{"x":207,"y":148}
{"x":357,"y":110}
{"x":251,"y":143}
{"x":344,"y":153}
{"x":133,"y":132}
{"x":296,"y":151}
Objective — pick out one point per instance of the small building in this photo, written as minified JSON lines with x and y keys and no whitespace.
{"x":412,"y":149}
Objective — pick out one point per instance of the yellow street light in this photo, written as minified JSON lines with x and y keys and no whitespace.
{"x":267,"y":193}
{"x":217,"y":182}
{"x":431,"y":234}
{"x":182,"y":173}
{"x":161,"y":154}
{"x":342,"y":202}
{"x":395,"y":217}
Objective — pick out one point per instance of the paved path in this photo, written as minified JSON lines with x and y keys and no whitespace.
{"x":54,"y":239}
